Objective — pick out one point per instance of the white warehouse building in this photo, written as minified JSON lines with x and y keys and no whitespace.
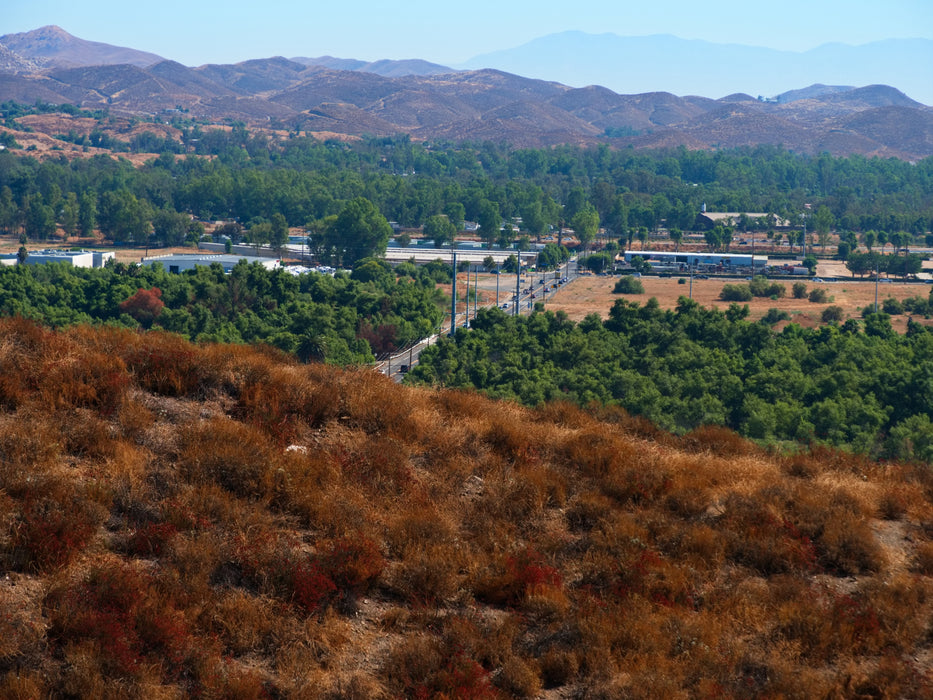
{"x":181,"y":262}
{"x":75,"y":258}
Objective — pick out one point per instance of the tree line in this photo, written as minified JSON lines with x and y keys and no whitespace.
{"x":248,"y":178}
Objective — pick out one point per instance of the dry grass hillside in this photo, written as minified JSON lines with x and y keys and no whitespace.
{"x":222,"y":522}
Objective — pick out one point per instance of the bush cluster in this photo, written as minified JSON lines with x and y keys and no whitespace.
{"x":628,"y":284}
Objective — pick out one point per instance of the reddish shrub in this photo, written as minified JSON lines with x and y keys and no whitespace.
{"x":151,"y":539}
{"x":528,"y":569}
{"x":521,"y":573}
{"x":165,"y":364}
{"x":758,"y":539}
{"x":428,"y":668}
{"x":353,"y":563}
{"x":856,"y":623}
{"x":311,"y":588}
{"x":144,"y":305}
{"x":462,"y":678}
{"x":49,"y":533}
{"x":115,"y":608}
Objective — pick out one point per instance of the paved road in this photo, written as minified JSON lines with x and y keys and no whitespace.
{"x":534,"y":287}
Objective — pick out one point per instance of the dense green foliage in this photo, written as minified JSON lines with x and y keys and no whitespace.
{"x":869,"y":389}
{"x":340,"y":319}
{"x":252,"y":179}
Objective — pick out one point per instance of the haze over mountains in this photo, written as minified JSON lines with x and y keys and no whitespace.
{"x":690,"y":67}
{"x":428,"y":101}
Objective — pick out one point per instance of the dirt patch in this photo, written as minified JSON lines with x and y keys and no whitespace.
{"x":593,"y":294}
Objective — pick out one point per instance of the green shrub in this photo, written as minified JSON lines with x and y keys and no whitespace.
{"x":736,"y":292}
{"x":628,"y":284}
{"x":892,"y":306}
{"x":819,"y":296}
{"x":774,"y":316}
{"x":761,"y":287}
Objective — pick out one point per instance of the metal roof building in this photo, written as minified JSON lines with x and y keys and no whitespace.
{"x":181,"y":262}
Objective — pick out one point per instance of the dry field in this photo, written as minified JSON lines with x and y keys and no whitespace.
{"x":592,"y":294}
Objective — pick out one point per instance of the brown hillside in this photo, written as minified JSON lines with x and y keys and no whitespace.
{"x":54,"y":46}
{"x":220,"y":521}
{"x":429,"y":102}
{"x":487,"y":105}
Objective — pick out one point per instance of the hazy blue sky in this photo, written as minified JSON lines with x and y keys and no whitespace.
{"x":195,"y":32}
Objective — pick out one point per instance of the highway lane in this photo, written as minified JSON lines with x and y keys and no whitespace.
{"x":535,"y":287}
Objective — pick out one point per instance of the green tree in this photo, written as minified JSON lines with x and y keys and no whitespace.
{"x":533,"y":218}
{"x":278,"y":232}
{"x":627,"y":284}
{"x":506,"y":235}
{"x":552,"y":256}
{"x":123,"y":217}
{"x":643,"y":237}
{"x":455,"y":213}
{"x":598,"y":262}
{"x":40,"y":219}
{"x":585,"y":224}
{"x":439,"y":229}
{"x":833,"y":314}
{"x":69,"y":215}
{"x":87,"y":214}
{"x":170,"y":227}
{"x":677,"y":236}
{"x":617,"y":219}
{"x":358,"y":232}
{"x":823,"y":222}
{"x":8,"y":210}
{"x":489,"y":222}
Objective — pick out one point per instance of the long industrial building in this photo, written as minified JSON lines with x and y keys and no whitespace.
{"x":683,"y":261}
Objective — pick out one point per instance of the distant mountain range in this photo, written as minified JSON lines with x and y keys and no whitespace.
{"x":430,"y":102}
{"x":690,"y":67}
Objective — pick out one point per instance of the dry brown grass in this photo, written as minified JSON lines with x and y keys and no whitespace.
{"x":593,"y":294}
{"x":233,"y":524}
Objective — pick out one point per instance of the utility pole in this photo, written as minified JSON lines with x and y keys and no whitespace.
{"x":453,"y":297}
{"x":518,"y":280}
{"x":475,"y":289}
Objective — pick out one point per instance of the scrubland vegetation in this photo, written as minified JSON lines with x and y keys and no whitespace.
{"x":222,"y":521}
